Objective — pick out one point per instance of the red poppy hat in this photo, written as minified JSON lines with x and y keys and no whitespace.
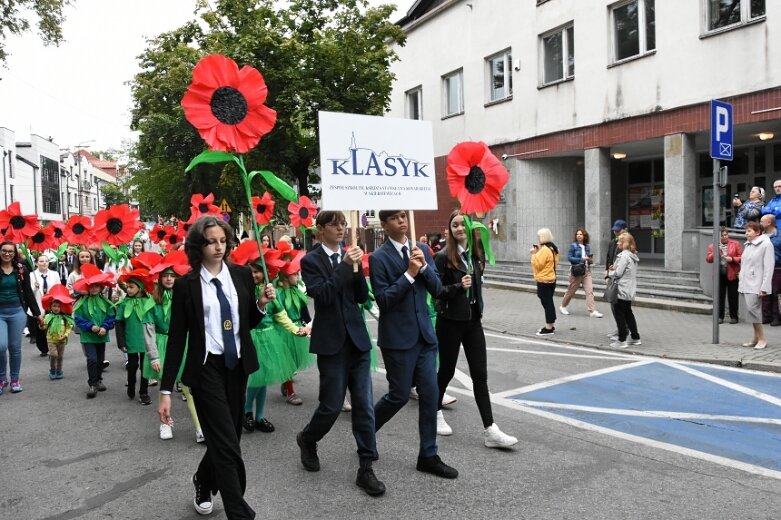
{"x":225,"y":104}
{"x":293,"y":265}
{"x":247,"y":253}
{"x":146,"y":260}
{"x":60,"y":294}
{"x":93,"y":276}
{"x":475,"y":176}
{"x":18,"y":227}
{"x":175,"y":261}
{"x":140,"y":277}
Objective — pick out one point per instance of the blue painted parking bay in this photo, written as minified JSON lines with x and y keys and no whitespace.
{"x":712,"y":417}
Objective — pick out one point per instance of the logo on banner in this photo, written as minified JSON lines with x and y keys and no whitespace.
{"x":365,"y":161}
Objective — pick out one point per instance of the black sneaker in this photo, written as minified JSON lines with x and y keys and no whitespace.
{"x":248,"y":423}
{"x":435,"y":466}
{"x":264,"y":425}
{"x":131,"y":393}
{"x":106,"y":364}
{"x":369,"y":483}
{"x":545,"y":332}
{"x":144,"y":399}
{"x":203,"y":498}
{"x":92,"y":392}
{"x":309,"y":458}
{"x":100,"y":386}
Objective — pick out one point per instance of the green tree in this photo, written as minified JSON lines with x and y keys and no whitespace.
{"x":314,"y":55}
{"x":15,"y":19}
{"x":113,"y":194}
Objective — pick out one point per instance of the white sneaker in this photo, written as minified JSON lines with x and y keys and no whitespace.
{"x":26,"y":332}
{"x":564,"y":310}
{"x":448,"y":399}
{"x":631,"y":341}
{"x":413,"y":393}
{"x":346,"y":407}
{"x":614,"y":333}
{"x":443,"y":428}
{"x":618,"y":344}
{"x":613,"y":337}
{"x":496,"y":438}
{"x":199,"y":438}
{"x":596,"y":314}
{"x":166,"y":432}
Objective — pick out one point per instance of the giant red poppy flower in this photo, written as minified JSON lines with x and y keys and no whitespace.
{"x":116,"y":225}
{"x":303,"y":213}
{"x":18,"y":227}
{"x":475,"y":176}
{"x":225,"y":104}
{"x":42,"y":240}
{"x":158,"y":233}
{"x":263,"y":208}
{"x":176,"y":239}
{"x":78,"y":230}
{"x":201,"y":205}
{"x":58,"y":229}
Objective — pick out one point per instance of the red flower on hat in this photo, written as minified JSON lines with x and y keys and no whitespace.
{"x":116,"y":225}
{"x":175,"y":260}
{"x":303,"y":213}
{"x":146,"y":260}
{"x":475,"y":176}
{"x":141,"y":275}
{"x":18,"y":227}
{"x":78,"y":230}
{"x":92,"y":276}
{"x":225,"y":104}
{"x":201,"y":205}
{"x":60,"y":294}
{"x":246,"y":253}
{"x":42,"y":240}
{"x":263,"y":208}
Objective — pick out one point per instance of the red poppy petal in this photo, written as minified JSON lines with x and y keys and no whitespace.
{"x":252,"y":85}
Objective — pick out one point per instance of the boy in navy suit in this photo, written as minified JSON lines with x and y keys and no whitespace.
{"x":401,"y":276}
{"x":342,"y":345}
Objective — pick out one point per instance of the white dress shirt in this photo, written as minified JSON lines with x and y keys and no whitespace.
{"x":398,"y":246}
{"x":36,"y":277}
{"x":212,"y":316}
{"x":331,"y":253}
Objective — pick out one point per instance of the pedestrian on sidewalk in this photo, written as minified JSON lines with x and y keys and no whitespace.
{"x":459,"y":322}
{"x":750,"y":210}
{"x":623,"y":273}
{"x":581,"y":259}
{"x":619,"y":227}
{"x":545,"y":259}
{"x":756,"y":279}
{"x":770,"y":312}
{"x":729,"y":268}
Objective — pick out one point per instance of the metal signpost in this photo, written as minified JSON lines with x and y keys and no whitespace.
{"x":720,"y":150}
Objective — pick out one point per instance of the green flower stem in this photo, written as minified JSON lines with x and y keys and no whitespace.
{"x":248,"y":191}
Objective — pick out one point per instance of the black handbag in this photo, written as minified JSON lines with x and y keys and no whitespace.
{"x":578,"y":269}
{"x":611,"y":291}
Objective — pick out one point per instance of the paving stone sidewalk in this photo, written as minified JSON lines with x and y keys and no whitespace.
{"x":666,"y":334}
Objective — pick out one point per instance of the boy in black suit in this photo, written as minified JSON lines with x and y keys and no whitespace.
{"x":342,"y":345}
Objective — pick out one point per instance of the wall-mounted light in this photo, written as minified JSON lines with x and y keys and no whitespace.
{"x":765,"y":136}
{"x":619,"y":155}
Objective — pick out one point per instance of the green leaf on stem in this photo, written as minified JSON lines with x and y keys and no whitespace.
{"x":211,"y":157}
{"x":283,"y":188}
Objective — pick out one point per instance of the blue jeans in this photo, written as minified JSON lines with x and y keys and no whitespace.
{"x":12,"y":322}
{"x":95,"y":353}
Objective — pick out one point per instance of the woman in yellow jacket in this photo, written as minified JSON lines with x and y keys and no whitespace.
{"x":545,"y":259}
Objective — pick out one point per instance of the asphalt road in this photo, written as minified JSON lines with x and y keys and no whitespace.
{"x":67,"y":457}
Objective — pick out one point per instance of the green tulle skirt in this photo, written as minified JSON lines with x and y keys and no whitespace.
{"x":280,"y":355}
{"x":161,"y":341}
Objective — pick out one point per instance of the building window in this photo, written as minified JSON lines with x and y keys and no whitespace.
{"x":558,"y":55}
{"x":500,"y":78}
{"x":634,"y":28}
{"x":453,"y":93}
{"x":50,"y":184}
{"x":726,"y":13}
{"x":414,"y":100}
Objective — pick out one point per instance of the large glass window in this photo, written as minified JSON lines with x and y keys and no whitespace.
{"x":453,"y":90}
{"x":414,"y":101}
{"x":500,"y":78}
{"x":634,"y":28}
{"x":50,"y":184}
{"x":725,"y":13}
{"x":558,"y":55}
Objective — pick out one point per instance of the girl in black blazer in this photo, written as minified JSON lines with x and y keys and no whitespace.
{"x":459,"y":312}
{"x":220,"y":356}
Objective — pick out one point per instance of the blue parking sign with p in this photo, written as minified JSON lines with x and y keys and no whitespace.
{"x":720,"y":130}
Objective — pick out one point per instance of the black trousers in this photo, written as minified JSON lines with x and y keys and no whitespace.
{"x":729,"y":290}
{"x":769,"y":302}
{"x":134,"y":363}
{"x":219,"y":401}
{"x":625,"y":318}
{"x":545,"y":292}
{"x":40,"y":336}
{"x":451,"y":335}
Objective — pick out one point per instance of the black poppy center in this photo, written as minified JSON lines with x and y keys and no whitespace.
{"x":17,"y":222}
{"x":303,"y":213}
{"x":57,"y":233}
{"x":114,"y":225}
{"x":229,"y":105}
{"x":203,"y":207}
{"x":78,"y":229}
{"x":173,"y":239}
{"x":160,"y":235}
{"x":38,"y":238}
{"x":260,"y":208}
{"x":475,"y":181}
{"x":186,"y":227}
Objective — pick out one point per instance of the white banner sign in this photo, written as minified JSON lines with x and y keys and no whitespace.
{"x":370,"y":162}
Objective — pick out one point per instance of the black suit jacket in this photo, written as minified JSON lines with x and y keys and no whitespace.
{"x":187,"y":327}
{"x":453,"y":302}
{"x":337,"y":294}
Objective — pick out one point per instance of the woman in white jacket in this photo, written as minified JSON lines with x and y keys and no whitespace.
{"x":756,"y":276}
{"x":624,"y":275}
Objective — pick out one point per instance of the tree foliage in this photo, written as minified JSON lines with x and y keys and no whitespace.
{"x":15,"y":20}
{"x":314,"y":55}
{"x":113,"y":194}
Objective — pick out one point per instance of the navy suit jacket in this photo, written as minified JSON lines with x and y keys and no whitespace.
{"x":404,"y":317}
{"x":337,"y":294}
{"x":187,"y":327}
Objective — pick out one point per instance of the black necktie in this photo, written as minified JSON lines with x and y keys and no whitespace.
{"x":404,"y":255}
{"x":45,"y":285}
{"x":228,"y":340}
{"x":466,"y":259}
{"x":335,"y":260}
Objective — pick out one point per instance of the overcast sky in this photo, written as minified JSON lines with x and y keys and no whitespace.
{"x":76,"y":93}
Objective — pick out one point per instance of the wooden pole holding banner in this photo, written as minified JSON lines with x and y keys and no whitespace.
{"x":411,"y":230}
{"x":354,"y":235}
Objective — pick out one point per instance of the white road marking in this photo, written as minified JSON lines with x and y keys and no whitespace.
{"x":553,"y":344}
